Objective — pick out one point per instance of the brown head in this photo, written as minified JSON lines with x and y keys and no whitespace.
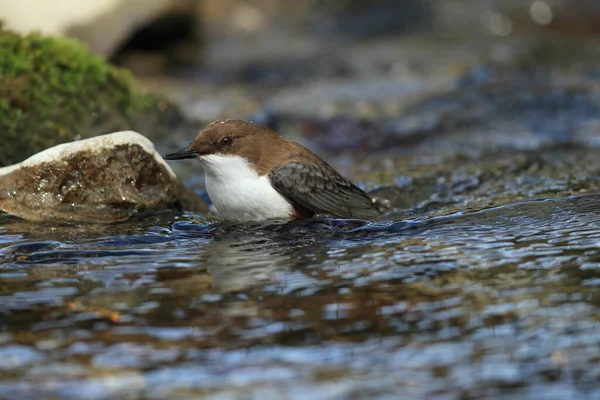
{"x":262,"y":147}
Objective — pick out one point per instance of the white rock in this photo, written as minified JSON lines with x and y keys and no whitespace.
{"x":94,"y":145}
{"x":104,"y":179}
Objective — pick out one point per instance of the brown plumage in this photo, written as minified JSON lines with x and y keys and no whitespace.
{"x":307,"y":182}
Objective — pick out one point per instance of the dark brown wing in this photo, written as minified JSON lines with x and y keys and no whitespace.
{"x":320,"y":189}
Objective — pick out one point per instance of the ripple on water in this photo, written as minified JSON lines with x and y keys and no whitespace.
{"x":461,"y":306}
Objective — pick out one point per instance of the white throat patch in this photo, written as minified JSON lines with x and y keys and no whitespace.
{"x":239,"y":193}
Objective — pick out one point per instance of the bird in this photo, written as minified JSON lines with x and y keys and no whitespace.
{"x":253,"y":174}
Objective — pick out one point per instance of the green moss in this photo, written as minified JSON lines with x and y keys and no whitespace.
{"x":52,"y":90}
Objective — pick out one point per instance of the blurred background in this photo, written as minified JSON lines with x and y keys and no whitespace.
{"x":325,"y":58}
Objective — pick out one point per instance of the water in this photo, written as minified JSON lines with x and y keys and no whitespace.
{"x":497,"y":303}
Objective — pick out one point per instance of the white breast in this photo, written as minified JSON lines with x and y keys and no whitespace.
{"x":239,"y":193}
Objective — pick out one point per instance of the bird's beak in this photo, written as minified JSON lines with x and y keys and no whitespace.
{"x":181,"y":154}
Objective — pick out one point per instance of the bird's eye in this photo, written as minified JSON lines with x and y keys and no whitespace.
{"x":226,"y":141}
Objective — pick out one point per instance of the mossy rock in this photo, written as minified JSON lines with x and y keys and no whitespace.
{"x":52,"y":90}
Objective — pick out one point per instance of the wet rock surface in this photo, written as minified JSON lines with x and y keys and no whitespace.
{"x":106,"y":179}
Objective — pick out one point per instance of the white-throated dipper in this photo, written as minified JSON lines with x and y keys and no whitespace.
{"x":253,"y":174}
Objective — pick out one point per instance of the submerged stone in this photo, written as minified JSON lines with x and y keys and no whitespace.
{"x":105,"y":179}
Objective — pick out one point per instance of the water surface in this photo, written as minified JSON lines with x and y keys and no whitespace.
{"x":497,"y":303}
